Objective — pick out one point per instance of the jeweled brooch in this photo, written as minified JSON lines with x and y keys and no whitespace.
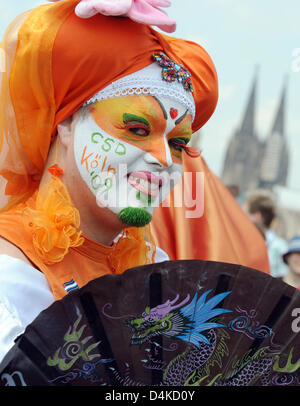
{"x":172,"y":71}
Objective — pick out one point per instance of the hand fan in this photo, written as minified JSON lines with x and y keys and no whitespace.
{"x":174,"y":323}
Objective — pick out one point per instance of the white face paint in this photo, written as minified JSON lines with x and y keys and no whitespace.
{"x":130,"y":172}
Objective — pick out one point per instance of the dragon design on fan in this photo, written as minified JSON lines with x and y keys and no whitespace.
{"x":193,"y":323}
{"x":262,"y":369}
{"x":175,"y":321}
{"x":198,"y":336}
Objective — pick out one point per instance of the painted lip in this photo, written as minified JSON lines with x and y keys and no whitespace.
{"x":145,"y":182}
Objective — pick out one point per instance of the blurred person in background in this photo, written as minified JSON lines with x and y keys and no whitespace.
{"x":234,"y":190}
{"x":292,"y":258}
{"x":261,"y":209}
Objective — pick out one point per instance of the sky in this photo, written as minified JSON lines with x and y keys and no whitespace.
{"x":239,"y":35}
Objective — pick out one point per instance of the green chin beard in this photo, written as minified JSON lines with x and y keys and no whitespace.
{"x":135,"y":216}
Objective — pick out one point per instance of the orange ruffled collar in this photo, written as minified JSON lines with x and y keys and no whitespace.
{"x":53,"y":222}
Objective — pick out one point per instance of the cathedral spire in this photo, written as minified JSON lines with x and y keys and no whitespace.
{"x":279,"y":122}
{"x":248,"y":122}
{"x":275,"y":162}
{"x":242,"y":160}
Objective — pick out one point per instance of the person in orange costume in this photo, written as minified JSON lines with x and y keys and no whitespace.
{"x":58,"y":68}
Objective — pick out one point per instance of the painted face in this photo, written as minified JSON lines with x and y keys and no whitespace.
{"x":128,"y":150}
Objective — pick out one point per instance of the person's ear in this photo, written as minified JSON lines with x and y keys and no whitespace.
{"x":65,"y":131}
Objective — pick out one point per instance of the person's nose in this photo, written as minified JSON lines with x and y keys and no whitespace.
{"x":160,"y":162}
{"x":160,"y":155}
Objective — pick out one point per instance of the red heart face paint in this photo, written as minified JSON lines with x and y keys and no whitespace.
{"x":173,"y":113}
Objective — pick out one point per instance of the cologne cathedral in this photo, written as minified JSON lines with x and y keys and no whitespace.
{"x":252,"y":163}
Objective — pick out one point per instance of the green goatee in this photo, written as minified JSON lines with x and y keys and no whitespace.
{"x":135,"y":216}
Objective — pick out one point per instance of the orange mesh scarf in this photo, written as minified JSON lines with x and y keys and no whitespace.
{"x":27,"y":101}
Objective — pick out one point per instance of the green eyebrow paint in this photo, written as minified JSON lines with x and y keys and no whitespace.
{"x":131,"y":117}
{"x":184,"y":139}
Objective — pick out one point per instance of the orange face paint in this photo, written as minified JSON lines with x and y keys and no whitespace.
{"x":181,"y":133}
{"x":140,"y":121}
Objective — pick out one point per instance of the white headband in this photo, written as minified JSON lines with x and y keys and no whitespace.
{"x":147,"y":81}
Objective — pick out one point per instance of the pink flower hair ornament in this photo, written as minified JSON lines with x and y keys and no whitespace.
{"x":141,"y":11}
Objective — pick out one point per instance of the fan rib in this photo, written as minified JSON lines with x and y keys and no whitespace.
{"x":95,"y":322}
{"x":155,"y":299}
{"x":276,"y":313}
{"x":38,"y":359}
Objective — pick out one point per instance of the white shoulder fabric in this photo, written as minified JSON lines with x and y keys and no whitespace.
{"x":24,"y":293}
{"x":161,"y":256}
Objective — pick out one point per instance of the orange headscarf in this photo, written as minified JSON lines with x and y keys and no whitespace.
{"x":61,"y":61}
{"x":57,"y":61}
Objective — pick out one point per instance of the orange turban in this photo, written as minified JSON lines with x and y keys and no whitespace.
{"x":55,"y":61}
{"x":60,"y":61}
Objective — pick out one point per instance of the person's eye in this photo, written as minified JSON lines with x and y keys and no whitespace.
{"x":138,"y":129}
{"x":178,"y":143}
